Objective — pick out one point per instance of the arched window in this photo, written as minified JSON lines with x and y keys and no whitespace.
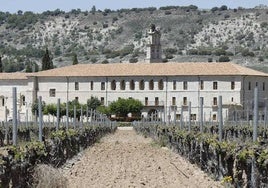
{"x":160,"y":84}
{"x":142,"y":85}
{"x":132,"y":85}
{"x":122,"y":85}
{"x":151,"y":85}
{"x":113,"y":85}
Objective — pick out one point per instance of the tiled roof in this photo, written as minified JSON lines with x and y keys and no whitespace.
{"x":14,"y":76}
{"x":151,"y":69}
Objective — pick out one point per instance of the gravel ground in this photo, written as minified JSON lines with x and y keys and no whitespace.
{"x":126,"y":159}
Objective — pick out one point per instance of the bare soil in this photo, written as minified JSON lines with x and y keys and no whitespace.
{"x":126,"y":159}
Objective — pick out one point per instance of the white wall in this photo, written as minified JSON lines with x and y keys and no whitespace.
{"x":65,"y":89}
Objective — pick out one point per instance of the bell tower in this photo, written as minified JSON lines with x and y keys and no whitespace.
{"x":154,"y":51}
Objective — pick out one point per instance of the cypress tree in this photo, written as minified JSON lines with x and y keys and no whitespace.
{"x":28,"y":67}
{"x":75,"y":60}
{"x":46,"y":61}
{"x":1,"y":64}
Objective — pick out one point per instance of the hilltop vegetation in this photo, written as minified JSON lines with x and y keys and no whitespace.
{"x":95,"y":36}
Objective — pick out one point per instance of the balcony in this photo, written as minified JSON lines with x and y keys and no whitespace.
{"x":153,"y":103}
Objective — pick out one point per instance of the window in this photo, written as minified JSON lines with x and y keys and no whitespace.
{"x":215,"y":85}
{"x":102,"y":85}
{"x":151,"y":85}
{"x":122,"y":85}
{"x":146,"y":101}
{"x":214,"y":117}
{"x":263,"y":86}
{"x":141,"y":85}
{"x":256,"y":84}
{"x":178,"y":116}
{"x":102,"y":100}
{"x":160,"y":84}
{"x":232,"y":85}
{"x":52,"y":92}
{"x":91,"y":85}
{"x":113,"y":85}
{"x":2,"y":101}
{"x":232,"y":99}
{"x":76,"y":99}
{"x":215,"y":101}
{"x":156,"y":101}
{"x":249,"y":85}
{"x":185,"y":85}
{"x":174,"y":101}
{"x":22,"y":100}
{"x":76,"y":86}
{"x":174,"y":85}
{"x":193,"y":117}
{"x":132,"y":85}
{"x":184,"y":101}
{"x":201,"y":84}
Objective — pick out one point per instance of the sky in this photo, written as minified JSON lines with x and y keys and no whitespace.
{"x":40,"y":6}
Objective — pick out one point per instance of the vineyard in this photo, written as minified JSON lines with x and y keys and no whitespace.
{"x":234,"y":160}
{"x":57,"y":146}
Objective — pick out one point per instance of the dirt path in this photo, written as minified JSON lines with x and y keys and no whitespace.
{"x":126,"y":159}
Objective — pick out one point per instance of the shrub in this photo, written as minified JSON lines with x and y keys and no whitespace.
{"x":105,"y":61}
{"x":94,"y":60}
{"x":167,"y":12}
{"x":169,"y":56}
{"x":113,"y":54}
{"x":171,"y":50}
{"x":224,"y":59}
{"x":193,"y":52}
{"x":219,"y":52}
{"x":210,"y":59}
{"x":264,"y":25}
{"x":133,"y":60}
{"x":246,"y":52}
{"x":115,"y":19}
{"x":105,"y":25}
{"x":164,"y":60}
{"x":261,"y":58}
{"x":226,"y":16}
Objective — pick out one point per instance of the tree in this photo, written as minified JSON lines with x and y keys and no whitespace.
{"x":47,"y":61}
{"x":223,"y":7}
{"x":1,"y":64}
{"x":122,"y":107}
{"x":93,"y":103}
{"x":20,"y":12}
{"x":35,"y":107}
{"x":50,"y":109}
{"x":104,"y":110}
{"x":28,"y":67}
{"x":214,"y":9}
{"x":35,"y":67}
{"x":93,"y":10}
{"x":75,"y":60}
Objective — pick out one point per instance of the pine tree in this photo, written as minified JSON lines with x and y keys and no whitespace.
{"x":75,"y":60}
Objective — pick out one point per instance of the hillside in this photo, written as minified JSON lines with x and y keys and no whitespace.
{"x":188,"y":34}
